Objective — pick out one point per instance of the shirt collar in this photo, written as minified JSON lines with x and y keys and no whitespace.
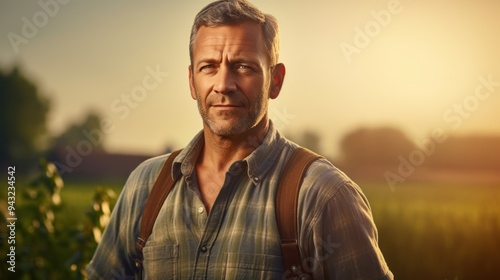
{"x":265,"y":156}
{"x":259,"y":162}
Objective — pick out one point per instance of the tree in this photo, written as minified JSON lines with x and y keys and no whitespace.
{"x":23,"y":111}
{"x":77,"y":142}
{"x":90,"y":127}
{"x":372,"y":147}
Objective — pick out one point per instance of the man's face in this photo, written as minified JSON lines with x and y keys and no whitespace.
{"x":230,"y":77}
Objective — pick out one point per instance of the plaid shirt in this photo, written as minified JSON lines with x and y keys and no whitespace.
{"x":239,"y":238}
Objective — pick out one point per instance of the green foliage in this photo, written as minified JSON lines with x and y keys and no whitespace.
{"x":38,"y":233}
{"x":87,"y":238}
{"x":46,"y":247}
{"x":23,"y":112}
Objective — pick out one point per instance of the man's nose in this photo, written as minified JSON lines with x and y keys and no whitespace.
{"x":225,"y":81}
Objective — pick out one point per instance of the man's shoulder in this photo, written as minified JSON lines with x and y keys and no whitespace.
{"x":324,"y":179}
{"x":324,"y":173}
{"x":321,"y":172}
{"x":325,"y":186}
{"x":151,"y":164}
{"x":147,"y":171}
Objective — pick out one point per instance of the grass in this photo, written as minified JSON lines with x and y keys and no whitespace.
{"x":426,"y":230}
{"x":77,"y":197}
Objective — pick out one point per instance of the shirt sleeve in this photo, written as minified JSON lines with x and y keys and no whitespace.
{"x":340,"y":235}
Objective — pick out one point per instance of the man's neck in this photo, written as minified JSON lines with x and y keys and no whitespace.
{"x":219,"y":152}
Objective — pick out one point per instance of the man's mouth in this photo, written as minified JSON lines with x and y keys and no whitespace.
{"x":227,"y":106}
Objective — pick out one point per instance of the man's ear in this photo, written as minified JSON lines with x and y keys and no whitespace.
{"x":191,"y":82}
{"x":277,"y":79}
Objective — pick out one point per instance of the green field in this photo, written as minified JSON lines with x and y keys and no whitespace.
{"x":77,"y":197}
{"x":438,"y":231}
{"x":426,"y":230}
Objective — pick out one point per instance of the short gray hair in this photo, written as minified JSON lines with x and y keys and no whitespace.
{"x":224,"y":12}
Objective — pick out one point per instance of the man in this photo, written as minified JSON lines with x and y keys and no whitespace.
{"x":218,"y":222}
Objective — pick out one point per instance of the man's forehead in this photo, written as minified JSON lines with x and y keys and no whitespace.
{"x":242,"y":37}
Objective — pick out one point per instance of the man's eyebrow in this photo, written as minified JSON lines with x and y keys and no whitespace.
{"x":209,"y":60}
{"x":240,"y":59}
{"x":236,"y":60}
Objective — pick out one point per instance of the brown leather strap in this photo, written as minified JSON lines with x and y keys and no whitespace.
{"x":163,"y":185}
{"x":286,"y":209}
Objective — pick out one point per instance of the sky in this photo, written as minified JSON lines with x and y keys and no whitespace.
{"x":416,"y":65}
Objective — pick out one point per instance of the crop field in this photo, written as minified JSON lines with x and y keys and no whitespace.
{"x":438,"y":231}
{"x":426,"y":230}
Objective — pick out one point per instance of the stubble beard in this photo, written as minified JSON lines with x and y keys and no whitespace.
{"x":240,"y":126}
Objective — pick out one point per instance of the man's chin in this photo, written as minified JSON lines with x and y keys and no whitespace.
{"x":228,"y":132}
{"x":228,"y":129}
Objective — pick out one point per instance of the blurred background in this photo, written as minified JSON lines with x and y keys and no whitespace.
{"x":404,"y":96}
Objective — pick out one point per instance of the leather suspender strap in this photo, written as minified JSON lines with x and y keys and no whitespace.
{"x":162,"y":186}
{"x":286,"y":210}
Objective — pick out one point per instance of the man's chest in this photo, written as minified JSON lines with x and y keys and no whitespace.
{"x":239,"y":237}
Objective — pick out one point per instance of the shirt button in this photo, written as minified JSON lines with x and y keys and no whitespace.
{"x":201,"y":209}
{"x":235,"y":168}
{"x":203,"y":249}
{"x":256,"y":179}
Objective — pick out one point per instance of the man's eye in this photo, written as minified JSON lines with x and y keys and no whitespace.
{"x":207,"y":68}
{"x":243,"y":67}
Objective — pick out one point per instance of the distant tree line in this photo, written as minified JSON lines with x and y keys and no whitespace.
{"x":385,"y":146}
{"x":24,"y":136}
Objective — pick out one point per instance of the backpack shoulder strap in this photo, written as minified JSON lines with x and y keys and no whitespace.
{"x":162,"y":186}
{"x":286,"y":208}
